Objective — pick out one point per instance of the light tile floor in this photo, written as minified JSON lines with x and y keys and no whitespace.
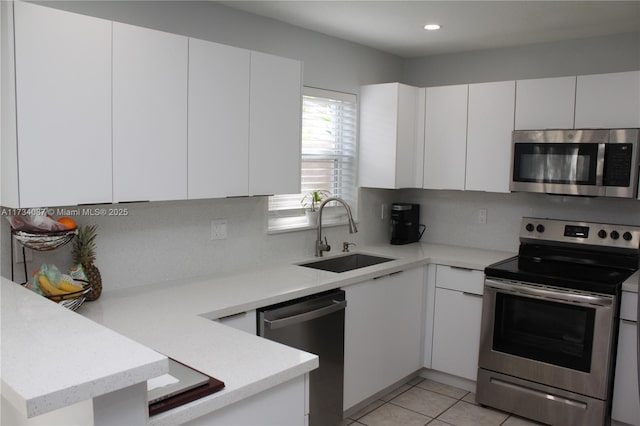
{"x":422,"y":401}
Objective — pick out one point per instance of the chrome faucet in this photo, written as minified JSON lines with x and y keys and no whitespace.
{"x":324,"y":246}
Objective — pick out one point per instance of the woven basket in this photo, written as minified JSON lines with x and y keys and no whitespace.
{"x":73,"y":300}
{"x":45,"y":240}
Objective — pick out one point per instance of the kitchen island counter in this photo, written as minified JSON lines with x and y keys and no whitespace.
{"x":53,"y":358}
{"x":175,"y":318}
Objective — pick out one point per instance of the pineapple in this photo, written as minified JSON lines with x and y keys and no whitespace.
{"x":84,"y":253}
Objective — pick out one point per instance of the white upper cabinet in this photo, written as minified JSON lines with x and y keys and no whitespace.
{"x":63,"y":101}
{"x":391,"y":138}
{"x":545,"y":103}
{"x":149,"y":114}
{"x":275,"y":125}
{"x":445,"y":137}
{"x":489,"y":129}
{"x":608,"y":100}
{"x":218,"y":152}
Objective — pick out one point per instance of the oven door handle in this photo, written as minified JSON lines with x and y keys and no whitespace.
{"x":522,"y":288}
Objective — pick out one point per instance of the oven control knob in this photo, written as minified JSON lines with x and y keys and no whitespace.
{"x":615,"y":235}
{"x":602,"y":233}
{"x":529,"y":227}
{"x":627,"y":236}
{"x":540,"y":228}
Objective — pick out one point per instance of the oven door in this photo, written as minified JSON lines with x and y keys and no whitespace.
{"x":557,"y":337}
{"x":558,"y":168}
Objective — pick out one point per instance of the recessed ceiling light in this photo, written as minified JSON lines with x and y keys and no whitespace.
{"x":432,"y":27}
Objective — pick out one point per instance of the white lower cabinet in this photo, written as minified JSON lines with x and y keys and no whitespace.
{"x":456,"y":321}
{"x":283,"y":405}
{"x":626,"y":400}
{"x":383,"y":333}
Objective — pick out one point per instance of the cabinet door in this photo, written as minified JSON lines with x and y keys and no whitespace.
{"x":383,"y":333}
{"x":378,"y":135}
{"x":389,"y":144}
{"x":608,"y":100}
{"x":456,"y":333}
{"x":445,"y":137}
{"x":410,"y":137}
{"x":489,"y":129}
{"x":626,"y":407}
{"x":281,"y":405}
{"x":149,"y":114}
{"x":63,"y":88}
{"x":275,"y":125}
{"x":218,"y":152}
{"x":545,"y":103}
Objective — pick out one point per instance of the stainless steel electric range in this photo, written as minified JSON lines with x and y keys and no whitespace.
{"x":550,"y":321}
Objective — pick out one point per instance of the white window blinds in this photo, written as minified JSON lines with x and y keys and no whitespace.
{"x":329,"y":134}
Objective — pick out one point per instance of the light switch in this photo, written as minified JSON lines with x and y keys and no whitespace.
{"x":482,"y":216}
{"x":219,"y":229}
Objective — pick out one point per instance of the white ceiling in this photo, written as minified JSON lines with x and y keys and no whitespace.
{"x":397,"y":26}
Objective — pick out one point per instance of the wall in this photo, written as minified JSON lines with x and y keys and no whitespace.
{"x":451,"y":216}
{"x":169,"y":240}
{"x":614,"y":53}
{"x":329,"y":63}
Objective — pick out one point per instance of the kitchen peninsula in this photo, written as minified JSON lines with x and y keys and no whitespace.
{"x":177,"y":319}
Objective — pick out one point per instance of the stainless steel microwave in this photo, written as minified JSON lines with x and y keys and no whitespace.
{"x":588,"y":162}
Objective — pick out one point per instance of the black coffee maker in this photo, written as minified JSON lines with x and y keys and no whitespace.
{"x":405,"y":223}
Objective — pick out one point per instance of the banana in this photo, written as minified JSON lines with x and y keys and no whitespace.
{"x":48,"y":288}
{"x":68,"y":287}
{"x":59,"y":293}
{"x":66,"y":283}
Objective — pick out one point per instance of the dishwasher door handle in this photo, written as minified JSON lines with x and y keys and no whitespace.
{"x":336,"y":305}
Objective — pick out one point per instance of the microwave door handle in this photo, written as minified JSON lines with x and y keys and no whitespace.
{"x":600,"y":165}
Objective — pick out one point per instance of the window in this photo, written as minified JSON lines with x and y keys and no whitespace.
{"x":329,"y":123}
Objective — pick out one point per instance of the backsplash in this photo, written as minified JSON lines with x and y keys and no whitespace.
{"x":161,"y":241}
{"x":452,"y":217}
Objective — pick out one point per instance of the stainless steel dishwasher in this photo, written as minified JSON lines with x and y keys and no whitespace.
{"x":314,"y":324}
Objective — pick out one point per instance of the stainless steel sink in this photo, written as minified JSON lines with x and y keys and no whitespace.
{"x":346,"y":263}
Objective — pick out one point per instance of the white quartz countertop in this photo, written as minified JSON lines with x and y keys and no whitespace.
{"x":52,"y":358}
{"x":174,"y":318}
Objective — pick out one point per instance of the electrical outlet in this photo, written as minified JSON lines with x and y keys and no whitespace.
{"x":482,"y":216}
{"x":17,"y":253}
{"x":383,"y":211}
{"x":219,"y":229}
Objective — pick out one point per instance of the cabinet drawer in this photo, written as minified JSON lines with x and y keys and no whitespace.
{"x":461,"y":279}
{"x":629,"y":306}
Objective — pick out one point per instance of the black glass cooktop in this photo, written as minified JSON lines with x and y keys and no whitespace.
{"x":561,"y":273}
